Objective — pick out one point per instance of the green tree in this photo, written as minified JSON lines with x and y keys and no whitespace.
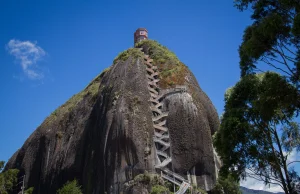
{"x":258,"y":131}
{"x":226,"y":185}
{"x":7,"y":179}
{"x":159,"y":189}
{"x":29,"y":191}
{"x":70,"y":188}
{"x":272,"y":41}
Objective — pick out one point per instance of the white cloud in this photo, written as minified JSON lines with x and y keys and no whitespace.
{"x":293,"y":156}
{"x":27,"y":53}
{"x":259,"y":185}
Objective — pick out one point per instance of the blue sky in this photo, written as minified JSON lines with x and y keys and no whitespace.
{"x":70,"y":42}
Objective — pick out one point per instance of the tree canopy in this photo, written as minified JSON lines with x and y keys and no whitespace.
{"x":258,"y":109}
{"x":258,"y":128}
{"x":70,"y":188}
{"x":226,"y":185}
{"x":273,"y":38}
{"x":8,"y":179}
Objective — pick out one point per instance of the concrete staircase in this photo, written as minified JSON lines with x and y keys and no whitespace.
{"x":161,"y":134}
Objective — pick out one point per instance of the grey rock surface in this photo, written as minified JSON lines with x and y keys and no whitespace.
{"x":103,"y":135}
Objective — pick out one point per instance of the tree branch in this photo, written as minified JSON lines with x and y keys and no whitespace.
{"x":270,"y":64}
{"x":293,"y":162}
{"x":258,"y":177}
{"x":283,"y":57}
{"x":286,"y":48}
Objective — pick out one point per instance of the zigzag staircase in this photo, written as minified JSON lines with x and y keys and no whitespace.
{"x":161,"y":133}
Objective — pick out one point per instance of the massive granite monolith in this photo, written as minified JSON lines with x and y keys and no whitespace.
{"x":103,"y":136}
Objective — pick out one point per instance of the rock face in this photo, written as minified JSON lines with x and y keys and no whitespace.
{"x":103,"y":136}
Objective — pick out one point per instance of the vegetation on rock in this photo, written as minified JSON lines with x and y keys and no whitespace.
{"x":8,"y":179}
{"x":132,"y":52}
{"x":160,"y":54}
{"x":226,"y":185}
{"x":29,"y":191}
{"x":172,"y":71}
{"x":158,"y":189}
{"x":91,"y":90}
{"x":70,"y":188}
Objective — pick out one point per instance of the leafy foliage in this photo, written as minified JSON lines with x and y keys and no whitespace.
{"x":70,"y":188}
{"x":29,"y":191}
{"x":273,"y":38}
{"x":160,"y":54}
{"x":133,"y":52}
{"x":258,"y":108}
{"x":7,"y":179}
{"x":227,"y":185}
{"x":258,"y":129}
{"x":158,"y":189}
{"x":172,"y":71}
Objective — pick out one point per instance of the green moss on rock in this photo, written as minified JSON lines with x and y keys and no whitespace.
{"x":172,"y":71}
{"x":158,"y":189}
{"x":160,"y":54}
{"x":132,"y":52}
{"x":90,"y":90}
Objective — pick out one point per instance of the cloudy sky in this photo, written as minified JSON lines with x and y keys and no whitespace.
{"x":50,"y":50}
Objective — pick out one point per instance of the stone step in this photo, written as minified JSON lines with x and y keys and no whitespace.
{"x":160,"y":123}
{"x":149,"y":60}
{"x":163,"y":154}
{"x":183,"y":187}
{"x":149,"y":64}
{"x":171,"y":179}
{"x":151,"y":77}
{"x":173,"y":174}
{"x":156,"y":140}
{"x":154,"y":74}
{"x":153,"y":95}
{"x":153,"y":109}
{"x":160,"y":136}
{"x":152,"y":90}
{"x":160,"y":116}
{"x":161,"y":128}
{"x":154,"y":101}
{"x":153,"y":84}
{"x":164,"y":163}
{"x":149,"y":70}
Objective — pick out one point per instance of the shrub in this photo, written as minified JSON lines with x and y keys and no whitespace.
{"x":133,"y":52}
{"x":158,"y":189}
{"x":172,"y":71}
{"x":29,"y":191}
{"x":70,"y":188}
{"x":160,"y":54}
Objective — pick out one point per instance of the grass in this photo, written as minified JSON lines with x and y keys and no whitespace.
{"x":160,"y":54}
{"x":91,"y":89}
{"x":132,"y":52}
{"x":172,"y":71}
{"x":158,"y":189}
{"x":158,"y":186}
